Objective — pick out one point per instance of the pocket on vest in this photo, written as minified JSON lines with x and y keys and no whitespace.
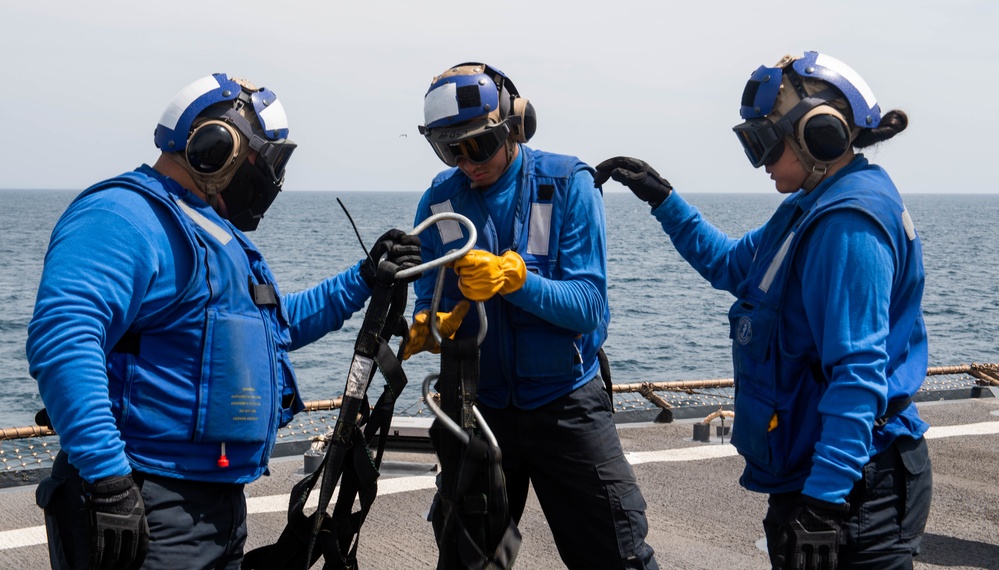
{"x":237,"y":388}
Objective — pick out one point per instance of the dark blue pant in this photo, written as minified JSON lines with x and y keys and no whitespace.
{"x":192,"y":525}
{"x":570,"y":451}
{"x":889,"y":506}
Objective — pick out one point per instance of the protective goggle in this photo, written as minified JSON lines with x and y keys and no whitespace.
{"x":762,"y":140}
{"x":477,"y":149}
{"x":273,"y":156}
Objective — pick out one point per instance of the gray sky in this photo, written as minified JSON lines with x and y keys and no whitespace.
{"x":85,"y":82}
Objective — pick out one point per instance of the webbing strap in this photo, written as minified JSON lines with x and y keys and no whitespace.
{"x":348,"y":458}
{"x":472,"y":521}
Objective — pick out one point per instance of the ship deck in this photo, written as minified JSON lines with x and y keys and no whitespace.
{"x":699,"y":517}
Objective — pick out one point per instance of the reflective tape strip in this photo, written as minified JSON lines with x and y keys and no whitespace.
{"x":273,"y":117}
{"x":441,"y":103}
{"x":182,"y":100}
{"x":217,"y":231}
{"x":357,"y":378}
{"x":450,"y":230}
{"x":768,"y":277}
{"x":540,"y":229}
{"x":910,"y":228}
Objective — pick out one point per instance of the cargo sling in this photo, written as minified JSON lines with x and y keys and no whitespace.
{"x":471,"y":519}
{"x":335,"y":537}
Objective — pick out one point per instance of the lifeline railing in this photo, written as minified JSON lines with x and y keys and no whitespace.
{"x":32,"y":447}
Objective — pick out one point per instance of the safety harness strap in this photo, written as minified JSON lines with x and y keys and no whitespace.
{"x":472,"y":522}
{"x":348,"y":458}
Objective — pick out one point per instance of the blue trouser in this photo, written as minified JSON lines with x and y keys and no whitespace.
{"x":192,"y":524}
{"x":570,"y":451}
{"x":889,"y":506}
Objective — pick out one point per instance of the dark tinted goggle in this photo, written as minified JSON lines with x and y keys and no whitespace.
{"x":762,"y":140}
{"x":477,"y":149}
{"x":275,"y":155}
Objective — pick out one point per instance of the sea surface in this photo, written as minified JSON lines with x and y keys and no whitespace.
{"x":667,"y":323}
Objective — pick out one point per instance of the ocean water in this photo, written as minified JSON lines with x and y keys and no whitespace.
{"x":667,"y":323}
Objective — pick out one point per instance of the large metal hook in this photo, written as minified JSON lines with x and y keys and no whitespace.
{"x":447,"y":257}
{"x":435,"y":303}
{"x":449,"y":423}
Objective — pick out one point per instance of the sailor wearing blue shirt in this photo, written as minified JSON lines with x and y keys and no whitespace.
{"x":829,"y":344}
{"x":540,"y":266}
{"x":160,"y":339}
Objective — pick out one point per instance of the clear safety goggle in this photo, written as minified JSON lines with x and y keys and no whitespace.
{"x":477,"y":149}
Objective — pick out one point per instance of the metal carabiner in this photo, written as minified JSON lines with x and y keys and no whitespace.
{"x":447,"y":257}
{"x":441,"y":262}
{"x":435,"y":303}
{"x":449,"y":423}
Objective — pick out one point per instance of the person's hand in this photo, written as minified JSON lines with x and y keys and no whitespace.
{"x":639,"y":177}
{"x":482,"y":274}
{"x":119,"y":533}
{"x":401,"y":251}
{"x":810,"y":540}
{"x":420,"y":338}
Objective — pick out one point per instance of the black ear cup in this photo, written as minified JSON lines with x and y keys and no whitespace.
{"x":211,"y":147}
{"x":824,"y":134}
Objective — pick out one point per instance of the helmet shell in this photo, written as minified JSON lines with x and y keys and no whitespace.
{"x":464,"y":93}
{"x":763,"y":88}
{"x":190,"y":102}
{"x":863,"y":103}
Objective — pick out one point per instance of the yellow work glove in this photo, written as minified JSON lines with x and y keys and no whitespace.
{"x":420,"y":338}
{"x":482,"y":274}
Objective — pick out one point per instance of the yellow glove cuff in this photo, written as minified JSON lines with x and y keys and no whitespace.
{"x":514,"y":272}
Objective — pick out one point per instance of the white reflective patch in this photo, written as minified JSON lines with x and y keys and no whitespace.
{"x":217,"y":231}
{"x":450,"y":229}
{"x":850,"y":75}
{"x":357,"y":378}
{"x":768,"y":277}
{"x":440,"y":103}
{"x":183,"y":99}
{"x":273,"y":117}
{"x":910,"y":228}
{"x":540,"y":229}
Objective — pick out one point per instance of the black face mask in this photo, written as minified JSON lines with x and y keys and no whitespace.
{"x":248,"y":195}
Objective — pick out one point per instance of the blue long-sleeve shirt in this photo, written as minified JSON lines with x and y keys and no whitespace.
{"x":850,"y":286}
{"x":115,"y":259}
{"x":570,"y":294}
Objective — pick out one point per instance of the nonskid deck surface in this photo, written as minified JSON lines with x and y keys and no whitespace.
{"x":699,"y":517}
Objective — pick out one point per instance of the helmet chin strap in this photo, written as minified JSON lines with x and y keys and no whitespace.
{"x":816,"y":170}
{"x":211,"y":184}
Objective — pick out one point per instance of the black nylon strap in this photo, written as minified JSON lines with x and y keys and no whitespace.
{"x":894,"y":408}
{"x":347,"y":458}
{"x":472,"y":524}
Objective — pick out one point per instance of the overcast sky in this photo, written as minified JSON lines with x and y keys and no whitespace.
{"x":85,"y":82}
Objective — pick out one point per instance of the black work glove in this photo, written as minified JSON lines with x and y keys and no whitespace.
{"x":638,"y":176}
{"x":119,"y":533}
{"x":810,"y":540}
{"x":401,"y":251}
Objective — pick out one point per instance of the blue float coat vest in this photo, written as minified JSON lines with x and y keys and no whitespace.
{"x":213,"y":368}
{"x":776,"y":402}
{"x":524,"y":360}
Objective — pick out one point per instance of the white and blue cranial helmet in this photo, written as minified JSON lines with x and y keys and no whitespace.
{"x":239,"y":108}
{"x":211,"y":127}
{"x":471,"y":111}
{"x":816,"y":103}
